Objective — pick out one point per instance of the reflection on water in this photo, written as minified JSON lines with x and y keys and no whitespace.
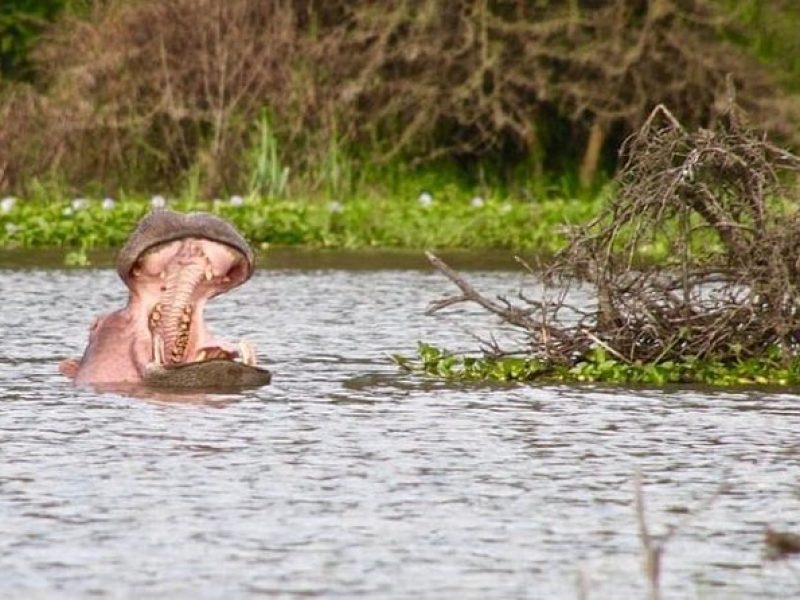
{"x":347,"y":477}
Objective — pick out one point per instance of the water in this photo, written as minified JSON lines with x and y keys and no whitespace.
{"x":348,"y":478}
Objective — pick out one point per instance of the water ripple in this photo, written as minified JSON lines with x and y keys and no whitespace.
{"x":347,"y":477}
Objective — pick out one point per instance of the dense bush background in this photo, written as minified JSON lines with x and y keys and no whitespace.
{"x":281,"y":95}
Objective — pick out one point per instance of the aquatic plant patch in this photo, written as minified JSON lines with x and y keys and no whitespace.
{"x":599,"y":366}
{"x":427,"y":221}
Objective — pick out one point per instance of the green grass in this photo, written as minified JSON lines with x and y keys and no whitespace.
{"x":599,"y":367}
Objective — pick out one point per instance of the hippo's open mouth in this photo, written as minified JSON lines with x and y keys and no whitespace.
{"x":173,"y":264}
{"x":173,"y":281}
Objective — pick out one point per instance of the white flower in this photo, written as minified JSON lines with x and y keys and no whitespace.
{"x":505,"y":208}
{"x":158,"y":201}
{"x":11,"y":228}
{"x":236,"y":200}
{"x":477,"y":202}
{"x":6,"y":204}
{"x":335,"y":207}
{"x":108,"y":204}
{"x":68,"y":211}
{"x":425,"y":199}
{"x":79,"y":203}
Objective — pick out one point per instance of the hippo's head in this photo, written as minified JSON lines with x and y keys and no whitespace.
{"x":172,"y":264}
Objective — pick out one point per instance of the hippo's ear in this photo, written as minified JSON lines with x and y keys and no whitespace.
{"x":69,"y":367}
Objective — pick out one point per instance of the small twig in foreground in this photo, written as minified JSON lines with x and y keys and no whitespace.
{"x":654,"y":546}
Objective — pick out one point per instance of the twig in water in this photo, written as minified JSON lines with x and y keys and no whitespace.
{"x":654,"y":546}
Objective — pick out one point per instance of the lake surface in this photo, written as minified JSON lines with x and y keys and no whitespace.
{"x":348,"y":478}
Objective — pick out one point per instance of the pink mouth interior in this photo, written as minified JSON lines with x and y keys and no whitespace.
{"x":172,"y":282}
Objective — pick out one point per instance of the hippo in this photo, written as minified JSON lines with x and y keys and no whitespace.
{"x":172,"y":264}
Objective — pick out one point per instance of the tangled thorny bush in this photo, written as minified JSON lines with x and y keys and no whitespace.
{"x":141,"y":92}
{"x":717,"y":201}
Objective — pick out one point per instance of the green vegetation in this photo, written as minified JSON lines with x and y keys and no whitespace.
{"x":449,"y":217}
{"x":598,"y":366}
{"x":768,"y":31}
{"x":21,"y":23}
{"x":332,"y":118}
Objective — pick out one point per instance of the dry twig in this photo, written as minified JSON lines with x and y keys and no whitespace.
{"x":655,"y":546}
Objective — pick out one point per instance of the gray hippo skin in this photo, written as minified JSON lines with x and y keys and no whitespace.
{"x":172,"y":264}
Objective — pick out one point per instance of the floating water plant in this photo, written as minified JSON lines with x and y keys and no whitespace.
{"x":597,"y":366}
{"x":368,"y":220}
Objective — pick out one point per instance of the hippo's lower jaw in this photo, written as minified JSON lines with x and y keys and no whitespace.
{"x":221,"y":370}
{"x":215,"y":374}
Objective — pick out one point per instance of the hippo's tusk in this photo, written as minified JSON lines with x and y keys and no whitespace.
{"x":247,"y":353}
{"x":158,"y":349}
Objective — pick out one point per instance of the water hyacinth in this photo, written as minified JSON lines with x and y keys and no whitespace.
{"x":477,"y":202}
{"x":425,"y":199}
{"x":236,"y":200}
{"x":7,"y":204}
{"x":331,"y":220}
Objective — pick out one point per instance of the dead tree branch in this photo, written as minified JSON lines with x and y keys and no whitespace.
{"x":719,"y":204}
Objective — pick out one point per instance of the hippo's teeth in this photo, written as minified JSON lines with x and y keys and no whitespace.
{"x":155,"y":316}
{"x":201,"y":356}
{"x":247,"y":353}
{"x":209,"y":273}
{"x":158,"y":349}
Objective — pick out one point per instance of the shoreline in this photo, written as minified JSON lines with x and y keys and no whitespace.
{"x":298,"y":258}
